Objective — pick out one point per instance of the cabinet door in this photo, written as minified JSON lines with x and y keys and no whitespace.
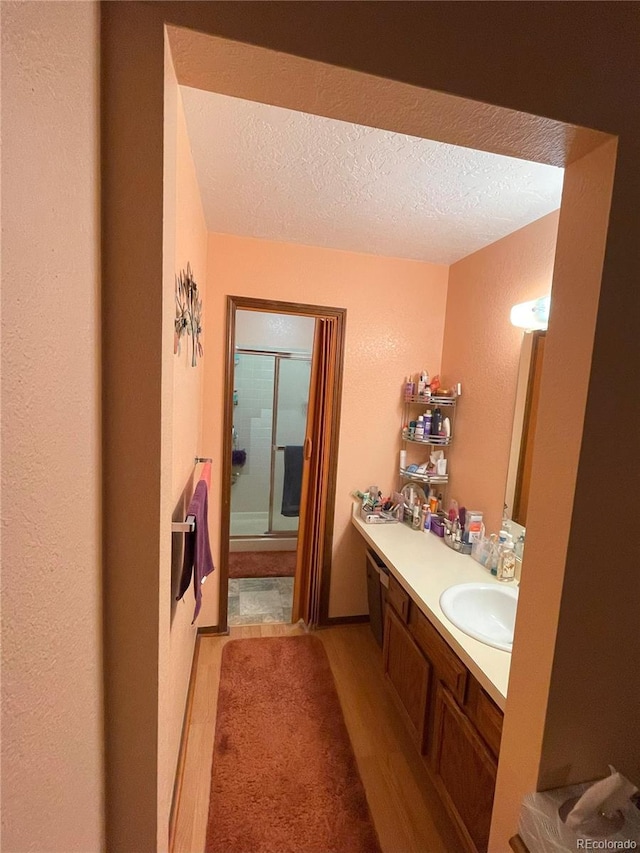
{"x":398,"y":598}
{"x":464,"y":768}
{"x":408,"y":672}
{"x":374,"y":593}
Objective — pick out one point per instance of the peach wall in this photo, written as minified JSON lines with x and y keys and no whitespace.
{"x":482,"y":351}
{"x":385,"y":339}
{"x":52,"y":719}
{"x":579,"y":616}
{"x":186,"y":440}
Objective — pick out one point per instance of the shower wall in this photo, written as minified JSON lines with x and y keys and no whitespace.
{"x":259,"y":381}
{"x":252,"y":417}
{"x":291,"y":421}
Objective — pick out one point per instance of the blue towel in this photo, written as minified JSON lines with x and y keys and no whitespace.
{"x":292,"y":481}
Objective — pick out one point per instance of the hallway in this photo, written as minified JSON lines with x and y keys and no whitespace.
{"x":406,"y":810}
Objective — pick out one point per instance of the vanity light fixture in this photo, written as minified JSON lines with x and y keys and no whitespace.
{"x":531,"y":315}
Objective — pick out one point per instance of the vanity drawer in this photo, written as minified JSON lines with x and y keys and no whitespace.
{"x":398,"y":598}
{"x":449,"y":669}
{"x":485,"y":715}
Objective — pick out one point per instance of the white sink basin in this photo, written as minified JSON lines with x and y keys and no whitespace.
{"x":484,"y":611}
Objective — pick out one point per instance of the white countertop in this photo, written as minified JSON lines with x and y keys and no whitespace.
{"x":425,"y":567}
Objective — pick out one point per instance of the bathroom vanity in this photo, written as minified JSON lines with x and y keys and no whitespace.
{"x":450,"y":688}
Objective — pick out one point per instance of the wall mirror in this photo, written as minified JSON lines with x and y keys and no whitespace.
{"x":524,"y":423}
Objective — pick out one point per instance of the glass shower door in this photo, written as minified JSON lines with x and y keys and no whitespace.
{"x":291,"y":400}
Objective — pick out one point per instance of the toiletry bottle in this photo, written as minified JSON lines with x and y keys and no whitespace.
{"x":426,"y":516}
{"x":436,"y":421}
{"x":452,"y":512}
{"x":496,"y":552}
{"x":478,"y":544}
{"x":507,"y":564}
{"x":487,"y":551}
{"x":412,"y":429}
{"x":408,"y":387}
{"x":403,"y":459}
{"x":456,"y":535}
{"x":427,"y":423}
{"x":421,"y":384}
{"x":415,"y":521}
{"x":419,"y":434}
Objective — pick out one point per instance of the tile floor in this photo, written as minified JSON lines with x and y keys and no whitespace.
{"x":256,"y":600}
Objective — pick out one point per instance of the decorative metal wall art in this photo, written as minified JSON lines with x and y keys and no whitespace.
{"x":188,"y":314}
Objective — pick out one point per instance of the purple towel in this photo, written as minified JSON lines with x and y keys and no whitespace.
{"x":197,"y":551}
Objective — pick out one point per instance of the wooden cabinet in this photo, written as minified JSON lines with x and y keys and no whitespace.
{"x":485,"y":715}
{"x":449,"y":668}
{"x":464,"y":768}
{"x":455,"y":724}
{"x":409,"y":673}
{"x":375,"y":598}
{"x":398,"y":598}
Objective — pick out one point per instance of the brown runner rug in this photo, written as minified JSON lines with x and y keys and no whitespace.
{"x":262,"y":564}
{"x":284,"y":777}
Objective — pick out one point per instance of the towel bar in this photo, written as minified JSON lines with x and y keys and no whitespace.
{"x":189,"y":524}
{"x":186,"y":526}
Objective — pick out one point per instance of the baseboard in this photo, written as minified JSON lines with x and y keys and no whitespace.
{"x":212,"y":630}
{"x":263,"y":543}
{"x":184,"y":735}
{"x":346,"y":620}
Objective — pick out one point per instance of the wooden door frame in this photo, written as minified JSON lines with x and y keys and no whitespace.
{"x":246,"y":303}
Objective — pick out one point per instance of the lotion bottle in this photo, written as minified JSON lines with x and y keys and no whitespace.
{"x":507,"y":563}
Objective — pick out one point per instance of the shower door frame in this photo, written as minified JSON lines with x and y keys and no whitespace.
{"x":332,"y":426}
{"x":277,"y":355}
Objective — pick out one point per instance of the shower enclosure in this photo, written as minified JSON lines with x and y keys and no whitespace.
{"x":271,"y":393}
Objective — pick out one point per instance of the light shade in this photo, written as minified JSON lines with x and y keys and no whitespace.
{"x":531,"y":315}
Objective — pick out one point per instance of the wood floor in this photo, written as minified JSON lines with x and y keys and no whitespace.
{"x":407,"y":812}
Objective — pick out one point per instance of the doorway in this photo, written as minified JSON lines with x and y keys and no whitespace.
{"x":270,"y":395}
{"x":282,"y":403}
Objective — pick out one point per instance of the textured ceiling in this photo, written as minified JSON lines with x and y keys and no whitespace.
{"x":277,"y":174}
